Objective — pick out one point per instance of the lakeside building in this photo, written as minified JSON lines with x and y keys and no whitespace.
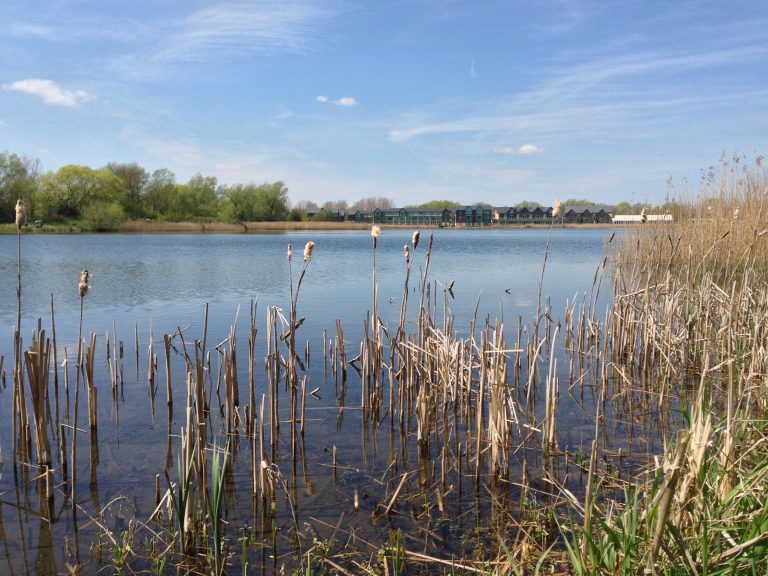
{"x":482,"y":215}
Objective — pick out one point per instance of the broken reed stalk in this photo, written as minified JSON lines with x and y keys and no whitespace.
{"x":90,"y":381}
{"x":38,"y":368}
{"x":168,"y":382}
{"x":252,"y":332}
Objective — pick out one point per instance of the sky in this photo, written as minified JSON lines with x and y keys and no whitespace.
{"x":414,"y":100}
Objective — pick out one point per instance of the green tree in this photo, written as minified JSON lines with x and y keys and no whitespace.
{"x":249,"y":202}
{"x":158,"y":193}
{"x":578,"y":202}
{"x":326,"y":215}
{"x":437,"y":205}
{"x":135,"y":178}
{"x":65,"y":193}
{"x":623,"y":208}
{"x":528,"y":204}
{"x":18,"y":179}
{"x":238,"y":202}
{"x":272,"y":202}
{"x":103,"y":216}
{"x":194,"y":200}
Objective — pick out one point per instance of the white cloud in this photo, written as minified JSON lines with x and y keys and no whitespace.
{"x":345,"y":101}
{"x":49,"y":91}
{"x":526,"y":149}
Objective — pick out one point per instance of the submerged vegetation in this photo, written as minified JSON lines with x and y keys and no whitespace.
{"x":477,"y":477}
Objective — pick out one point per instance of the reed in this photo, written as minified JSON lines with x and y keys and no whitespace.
{"x":82,"y":287}
{"x":679,"y":353}
{"x":37,"y":360}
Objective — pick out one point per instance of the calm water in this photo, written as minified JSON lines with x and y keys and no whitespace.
{"x":159,"y":283}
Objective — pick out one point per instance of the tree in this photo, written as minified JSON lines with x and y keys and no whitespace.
{"x":103,"y":216}
{"x":18,"y":179}
{"x":336,"y":205}
{"x":65,"y":193}
{"x":194,"y":200}
{"x":272,"y":202}
{"x":266,"y":202}
{"x":370,"y":204}
{"x":578,"y":202}
{"x":326,"y":215}
{"x":135,"y":179}
{"x":528,"y":204}
{"x":158,"y":192}
{"x":437,"y":205}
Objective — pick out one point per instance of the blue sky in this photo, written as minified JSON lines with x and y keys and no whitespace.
{"x":494,"y":101}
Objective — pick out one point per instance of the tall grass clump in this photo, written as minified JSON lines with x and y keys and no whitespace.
{"x":688,"y":330}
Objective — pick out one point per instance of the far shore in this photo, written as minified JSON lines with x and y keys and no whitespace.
{"x":159,"y":227}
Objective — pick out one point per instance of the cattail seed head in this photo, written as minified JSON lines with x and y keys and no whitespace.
{"x":375,"y":233}
{"x":290,"y":252}
{"x":643,"y":217}
{"x":83,"y":286}
{"x":308,"y":248}
{"x":557,"y":209}
{"x":21,"y":214}
{"x":736,"y":214}
{"x":415,"y":239}
{"x":407,"y":251}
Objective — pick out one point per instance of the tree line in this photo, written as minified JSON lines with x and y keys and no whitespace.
{"x":103,"y":198}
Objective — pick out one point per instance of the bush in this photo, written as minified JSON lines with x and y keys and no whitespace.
{"x":101,"y":216}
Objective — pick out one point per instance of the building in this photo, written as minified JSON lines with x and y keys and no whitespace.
{"x":410,"y":216}
{"x":591,"y":214}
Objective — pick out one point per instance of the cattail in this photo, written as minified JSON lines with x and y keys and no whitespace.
{"x":736,"y":214}
{"x":308,"y":248}
{"x":83,"y":286}
{"x":415,"y":239}
{"x":375,"y":232}
{"x":290,"y":252}
{"x":557,"y":209}
{"x":643,"y":217}
{"x":21,"y":214}
{"x":407,"y":251}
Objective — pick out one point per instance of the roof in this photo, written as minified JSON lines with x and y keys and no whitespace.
{"x":593,"y":208}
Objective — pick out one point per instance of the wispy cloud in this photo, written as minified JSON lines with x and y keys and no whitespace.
{"x":240,"y":28}
{"x":345,"y":101}
{"x":50,"y":92}
{"x":25,"y":29}
{"x":523,"y":150}
{"x":596,"y":96}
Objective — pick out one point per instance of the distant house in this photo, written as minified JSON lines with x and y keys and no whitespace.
{"x":504,"y":215}
{"x":591,"y":214}
{"x":411,"y":216}
{"x":481,"y":215}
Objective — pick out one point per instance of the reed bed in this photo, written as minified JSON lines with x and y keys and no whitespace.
{"x":669,"y":474}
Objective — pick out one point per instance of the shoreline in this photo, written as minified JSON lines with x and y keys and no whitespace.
{"x":142,"y":227}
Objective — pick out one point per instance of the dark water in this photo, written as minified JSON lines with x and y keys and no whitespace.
{"x":160,"y":283}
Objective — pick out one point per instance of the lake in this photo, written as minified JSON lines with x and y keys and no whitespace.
{"x":145,"y":286}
